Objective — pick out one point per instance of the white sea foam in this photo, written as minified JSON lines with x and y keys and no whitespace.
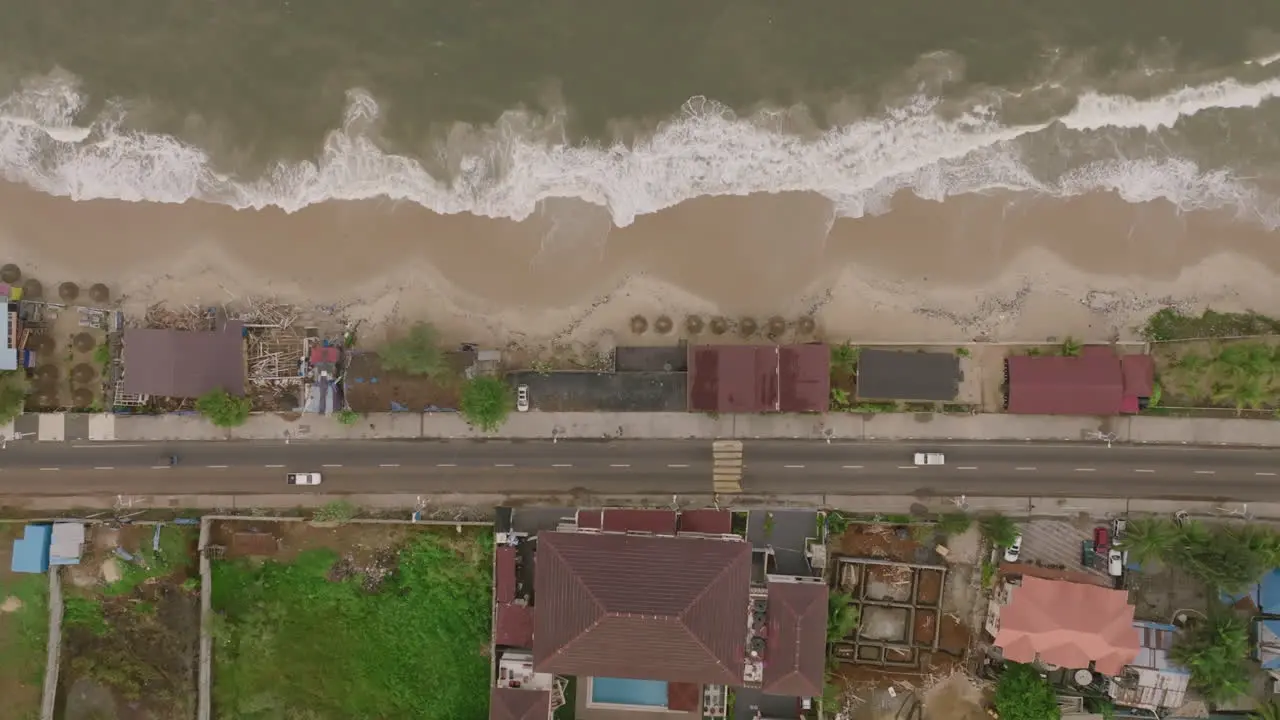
{"x":705,"y":150}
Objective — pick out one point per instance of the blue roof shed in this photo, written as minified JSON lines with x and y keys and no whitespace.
{"x":31,"y":551}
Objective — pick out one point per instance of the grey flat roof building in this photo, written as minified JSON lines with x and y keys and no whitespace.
{"x":899,"y":375}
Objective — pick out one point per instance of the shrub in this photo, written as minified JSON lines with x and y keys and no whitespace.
{"x":486,"y":402}
{"x":418,"y":353}
{"x":1216,"y":651}
{"x":223,"y":409}
{"x":348,"y":416}
{"x":954,"y":523}
{"x":1000,"y":530}
{"x":13,"y":394}
{"x":1021,"y":694}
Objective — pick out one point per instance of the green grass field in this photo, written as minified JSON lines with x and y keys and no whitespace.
{"x":23,"y":637}
{"x":300,"y":640}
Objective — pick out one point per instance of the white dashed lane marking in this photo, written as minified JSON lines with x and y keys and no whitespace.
{"x":620,"y":465}
{"x":389,"y":465}
{"x":1024,"y":468}
{"x":216,"y":467}
{"x":503,"y":465}
{"x":104,"y":467}
{"x":331,"y":465}
{"x":794,"y":467}
{"x":852,"y":467}
{"x":1086,"y":469}
{"x":906,"y":467}
{"x":1204,"y":472}
{"x":48,"y":468}
{"x":562,"y":465}
{"x":159,"y":467}
{"x":446,"y":465}
{"x":677,"y":465}
{"x":1265,"y":474}
{"x":966,"y":467}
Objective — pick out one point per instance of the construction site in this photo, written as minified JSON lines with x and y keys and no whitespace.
{"x":915,"y":595}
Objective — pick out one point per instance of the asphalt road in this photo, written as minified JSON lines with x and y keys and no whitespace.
{"x":642,"y":467}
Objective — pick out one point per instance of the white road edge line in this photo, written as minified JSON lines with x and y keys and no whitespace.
{"x":1205,"y":472}
{"x":794,"y":467}
{"x":1265,"y":474}
{"x":1143,"y":470}
{"x":389,"y":465}
{"x":103,"y":467}
{"x":620,"y":465}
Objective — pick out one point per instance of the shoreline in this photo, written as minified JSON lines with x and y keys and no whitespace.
{"x":1008,"y":267}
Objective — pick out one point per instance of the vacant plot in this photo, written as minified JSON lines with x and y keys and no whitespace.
{"x":358,"y":621}
{"x":131,"y":626}
{"x":24,"y":629}
{"x":1235,"y":375}
{"x":370,"y":388}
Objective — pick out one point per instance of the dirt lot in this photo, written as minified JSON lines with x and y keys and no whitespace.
{"x":24,"y":615}
{"x":371,"y":389}
{"x":883,"y":542}
{"x":131,"y":627}
{"x":283,"y":541}
{"x":1192,"y":373}
{"x":929,"y":589}
{"x":66,"y":375}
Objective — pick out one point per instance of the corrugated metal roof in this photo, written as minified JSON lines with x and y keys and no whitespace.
{"x":183,"y":363}
{"x":65,"y":543}
{"x":514,"y":626}
{"x":1090,"y":384}
{"x":31,"y":551}
{"x":519,"y":704}
{"x":630,"y":606}
{"x":1139,"y":374}
{"x":759,"y":378}
{"x":504,"y":580}
{"x":711,"y":522}
{"x":658,"y":522}
{"x":795,"y":653}
{"x":898,"y":375}
{"x":589,"y":519}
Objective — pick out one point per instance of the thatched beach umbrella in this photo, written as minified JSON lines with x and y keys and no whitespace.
{"x":68,"y":291}
{"x":40,"y":343}
{"x":47,"y":372}
{"x":806,"y":325}
{"x":777,"y":325}
{"x":719,"y":325}
{"x":693,"y":324}
{"x":83,"y":373}
{"x":10,"y":274}
{"x":83,"y":342}
{"x":747,"y":327}
{"x":639,"y":324}
{"x":663,"y":325}
{"x":99,"y":293}
{"x":32,"y":289}
{"x":82,"y":397}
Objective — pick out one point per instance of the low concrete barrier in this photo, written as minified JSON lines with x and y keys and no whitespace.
{"x":53,"y":650}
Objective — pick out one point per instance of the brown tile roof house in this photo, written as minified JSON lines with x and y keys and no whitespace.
{"x":795,"y":653}
{"x":631,"y":606}
{"x":1097,"y":382}
{"x":519,"y":704}
{"x":759,"y":378}
{"x":184,"y":363}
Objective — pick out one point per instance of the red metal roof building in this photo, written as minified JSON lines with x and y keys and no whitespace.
{"x":759,"y":378}
{"x":633,"y":606}
{"x":1097,"y":382}
{"x":519,"y":704}
{"x":795,"y":654}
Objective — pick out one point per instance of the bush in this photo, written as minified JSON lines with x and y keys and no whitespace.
{"x":486,"y":402}
{"x":954,"y":523}
{"x":1229,"y":558}
{"x":1000,"y":530}
{"x":418,"y":353}
{"x":13,"y":394}
{"x":842,"y":617}
{"x":1169,"y":324}
{"x":1216,"y":651}
{"x":348,"y":416}
{"x":222,"y":409}
{"x":1021,"y":694}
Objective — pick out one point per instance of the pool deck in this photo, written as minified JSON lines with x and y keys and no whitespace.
{"x":583,"y":712}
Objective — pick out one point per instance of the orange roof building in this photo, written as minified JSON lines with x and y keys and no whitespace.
{"x":1065,"y":624}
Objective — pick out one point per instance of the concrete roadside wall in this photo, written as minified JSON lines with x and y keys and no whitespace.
{"x":204,"y":684}
{"x":834,"y":426}
{"x":53,"y":656}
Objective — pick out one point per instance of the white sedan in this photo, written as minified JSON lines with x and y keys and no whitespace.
{"x":522,"y":398}
{"x":928,"y":458}
{"x":303,"y":478}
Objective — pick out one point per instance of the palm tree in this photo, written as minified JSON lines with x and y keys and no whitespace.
{"x":1000,"y":530}
{"x":1270,"y":711}
{"x":1192,"y":362}
{"x":1148,"y":539}
{"x":1241,"y":392}
{"x":842,"y":617}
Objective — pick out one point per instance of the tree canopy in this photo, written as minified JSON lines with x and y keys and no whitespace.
{"x":1021,"y":694}
{"x":417,"y":353}
{"x":999,"y":529}
{"x":223,"y":409}
{"x":13,"y":394}
{"x":1225,"y":557}
{"x":1216,"y":651}
{"x":842,"y":617}
{"x":486,"y":402}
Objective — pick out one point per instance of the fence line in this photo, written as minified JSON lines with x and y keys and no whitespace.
{"x":1211,"y":339}
{"x":53,"y":650}
{"x":206,"y":616}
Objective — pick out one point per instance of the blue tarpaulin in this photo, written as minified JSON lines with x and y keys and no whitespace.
{"x":31,"y":551}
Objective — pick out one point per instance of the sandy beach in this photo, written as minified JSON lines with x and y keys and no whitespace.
{"x":999,"y":267}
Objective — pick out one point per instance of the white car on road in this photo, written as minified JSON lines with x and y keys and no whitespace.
{"x":303,"y":478}
{"x":930,"y":458}
{"x":522,"y":398}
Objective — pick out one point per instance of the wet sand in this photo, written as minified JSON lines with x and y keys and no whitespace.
{"x":1000,"y":267}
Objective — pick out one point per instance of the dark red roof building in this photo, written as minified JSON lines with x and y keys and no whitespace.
{"x":1097,"y":382}
{"x":514,"y":625}
{"x":519,"y":704}
{"x":759,"y":378}
{"x":711,"y":522}
{"x":658,"y":522}
{"x":795,"y":653}
{"x":634,"y":606}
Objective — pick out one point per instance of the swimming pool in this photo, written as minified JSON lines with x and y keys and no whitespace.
{"x":625,"y":691}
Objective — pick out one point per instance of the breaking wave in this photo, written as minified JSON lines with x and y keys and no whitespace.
{"x":704,"y":150}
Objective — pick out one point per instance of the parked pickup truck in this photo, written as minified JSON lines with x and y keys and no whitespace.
{"x":303,"y":478}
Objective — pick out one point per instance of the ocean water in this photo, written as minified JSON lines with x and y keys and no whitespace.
{"x":491,"y":107}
